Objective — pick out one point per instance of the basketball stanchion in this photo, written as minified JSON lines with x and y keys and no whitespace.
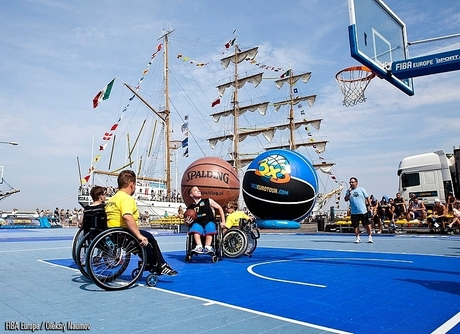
{"x":353,"y":82}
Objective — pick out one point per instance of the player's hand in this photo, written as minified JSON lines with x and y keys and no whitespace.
{"x":188,"y":220}
{"x":143,"y":241}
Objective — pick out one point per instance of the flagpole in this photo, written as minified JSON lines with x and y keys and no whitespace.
{"x":79,"y":172}
{"x":92,"y":157}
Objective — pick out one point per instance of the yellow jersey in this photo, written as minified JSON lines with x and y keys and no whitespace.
{"x":119,"y":205}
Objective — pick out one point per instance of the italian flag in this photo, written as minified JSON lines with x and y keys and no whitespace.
{"x":103,"y":95}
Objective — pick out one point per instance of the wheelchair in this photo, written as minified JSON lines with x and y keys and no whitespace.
{"x":105,"y":257}
{"x":216,"y":244}
{"x":241,"y":240}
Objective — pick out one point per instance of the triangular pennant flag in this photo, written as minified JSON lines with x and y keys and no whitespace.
{"x":185,"y":142}
{"x":103,"y":94}
{"x":85,"y":179}
{"x":114,"y":127}
{"x":97,"y":158}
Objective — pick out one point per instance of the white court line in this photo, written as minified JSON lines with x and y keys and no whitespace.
{"x":33,"y":249}
{"x":252,"y":272}
{"x":209,"y":302}
{"x":57,"y":265}
{"x":448,"y":325}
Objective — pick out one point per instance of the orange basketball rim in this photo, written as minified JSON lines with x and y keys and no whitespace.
{"x":353,"y":82}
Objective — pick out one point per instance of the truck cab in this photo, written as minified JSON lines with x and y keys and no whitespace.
{"x":428,"y":176}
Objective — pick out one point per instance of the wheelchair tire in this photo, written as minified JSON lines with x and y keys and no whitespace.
{"x":108,"y":257}
{"x":75,"y":241}
{"x":234,"y":243}
{"x":80,"y":254}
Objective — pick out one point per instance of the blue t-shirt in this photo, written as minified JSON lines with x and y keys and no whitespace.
{"x":358,"y":200}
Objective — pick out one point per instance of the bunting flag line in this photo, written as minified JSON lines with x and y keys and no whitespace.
{"x":184,"y":130}
{"x":103,"y":95}
{"x":197,"y":63}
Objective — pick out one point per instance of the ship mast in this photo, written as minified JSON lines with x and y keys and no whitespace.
{"x":236,"y":131}
{"x":291,"y":114}
{"x":166,"y":113}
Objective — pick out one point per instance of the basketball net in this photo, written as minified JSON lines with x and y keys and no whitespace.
{"x":353,"y":82}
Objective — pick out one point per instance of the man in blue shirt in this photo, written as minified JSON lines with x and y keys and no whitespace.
{"x":359,"y":203}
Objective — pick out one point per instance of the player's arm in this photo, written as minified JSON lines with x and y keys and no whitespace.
{"x":217,"y":207}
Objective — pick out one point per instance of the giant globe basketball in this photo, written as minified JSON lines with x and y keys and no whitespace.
{"x":215,"y":178}
{"x":280,"y":184}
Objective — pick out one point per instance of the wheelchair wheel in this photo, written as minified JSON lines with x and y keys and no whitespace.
{"x":75,"y":241}
{"x":108,"y":257}
{"x":80,"y":254}
{"x":152,"y":280}
{"x":234,"y":243}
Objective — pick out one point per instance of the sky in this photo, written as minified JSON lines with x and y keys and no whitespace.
{"x":56,"y":55}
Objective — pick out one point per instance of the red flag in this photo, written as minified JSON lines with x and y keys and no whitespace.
{"x":114,"y":127}
{"x":215,"y":102}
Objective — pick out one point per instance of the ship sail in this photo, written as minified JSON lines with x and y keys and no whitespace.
{"x":238,"y":133}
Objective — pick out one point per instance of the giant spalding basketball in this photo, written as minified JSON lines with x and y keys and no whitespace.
{"x":215,"y":178}
{"x":280,"y":184}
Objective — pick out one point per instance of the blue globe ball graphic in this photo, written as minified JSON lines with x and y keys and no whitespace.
{"x":280,"y":184}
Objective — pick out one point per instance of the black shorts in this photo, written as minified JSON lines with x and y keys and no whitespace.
{"x":361,"y":217}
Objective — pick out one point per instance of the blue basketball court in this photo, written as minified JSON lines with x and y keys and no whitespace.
{"x":294,"y":283}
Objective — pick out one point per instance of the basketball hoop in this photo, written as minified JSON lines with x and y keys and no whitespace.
{"x":353,"y":82}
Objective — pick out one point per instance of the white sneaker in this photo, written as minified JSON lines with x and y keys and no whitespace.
{"x":370,"y":240}
{"x":358,"y":240}
{"x":198,"y":249}
{"x":208,"y":249}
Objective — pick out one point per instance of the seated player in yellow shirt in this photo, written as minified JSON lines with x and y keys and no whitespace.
{"x":234,"y":216}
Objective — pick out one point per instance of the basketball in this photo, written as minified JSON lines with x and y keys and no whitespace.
{"x":190,"y":213}
{"x":280,"y":184}
{"x":215,"y":178}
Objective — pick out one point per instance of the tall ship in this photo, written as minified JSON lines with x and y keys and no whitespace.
{"x":258,"y":107}
{"x":248,"y":132}
{"x":151,"y":152}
